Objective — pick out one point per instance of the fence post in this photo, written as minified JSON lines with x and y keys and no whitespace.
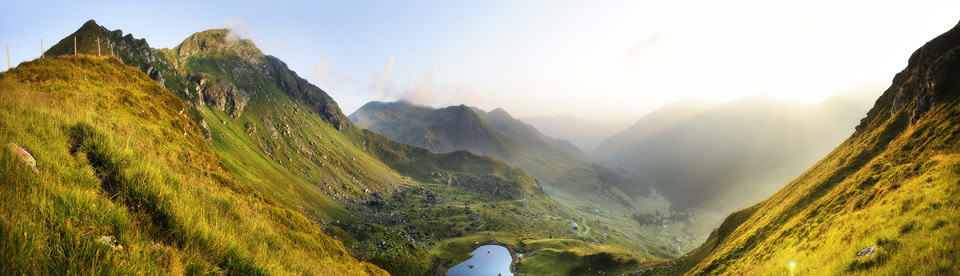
{"x":98,"y":46}
{"x":74,"y":45}
{"x":41,"y":48}
{"x":8,"y":56}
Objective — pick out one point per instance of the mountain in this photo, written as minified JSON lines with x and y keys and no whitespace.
{"x":607,"y":194}
{"x":451,"y":128}
{"x":124,"y":188}
{"x":657,"y":121}
{"x":883,"y":202}
{"x":495,"y":134}
{"x":213,"y":157}
{"x":703,"y":157}
{"x":585,"y":134}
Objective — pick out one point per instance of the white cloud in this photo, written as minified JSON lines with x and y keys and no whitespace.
{"x":239,"y":28}
{"x":382,"y":84}
{"x":421,"y":92}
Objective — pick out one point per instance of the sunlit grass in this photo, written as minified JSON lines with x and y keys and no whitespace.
{"x":117,"y":157}
{"x":891,"y":186}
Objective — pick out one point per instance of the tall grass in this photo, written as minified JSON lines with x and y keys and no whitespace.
{"x":117,"y":157}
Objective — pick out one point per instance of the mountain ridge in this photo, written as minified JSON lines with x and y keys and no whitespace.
{"x":287,"y":141}
{"x":880,"y":203}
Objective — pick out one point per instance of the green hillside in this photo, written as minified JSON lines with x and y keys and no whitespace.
{"x":118,"y":160}
{"x":606,"y":195}
{"x":277,"y":139}
{"x":883,"y":202}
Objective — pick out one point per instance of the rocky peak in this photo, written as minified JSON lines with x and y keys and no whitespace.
{"x":93,"y":39}
{"x":932,"y":74}
{"x":218,"y":41}
{"x":87,"y":37}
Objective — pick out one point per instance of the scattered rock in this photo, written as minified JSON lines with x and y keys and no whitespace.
{"x":24,"y":155}
{"x":867,"y":252}
{"x":431,"y":199}
{"x":110,"y":241}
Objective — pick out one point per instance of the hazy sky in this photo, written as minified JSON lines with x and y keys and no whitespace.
{"x":594,"y":59}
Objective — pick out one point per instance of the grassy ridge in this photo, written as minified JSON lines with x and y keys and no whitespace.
{"x":118,"y":157}
{"x":285,"y":143}
{"x":883,"y":202}
{"x":286,"y":152}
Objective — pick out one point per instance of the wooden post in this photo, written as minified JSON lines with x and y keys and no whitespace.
{"x":41,"y":48}
{"x":8,"y":56}
{"x":98,"y":46}
{"x":74,"y":45}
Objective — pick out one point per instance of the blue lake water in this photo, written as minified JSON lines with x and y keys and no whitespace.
{"x":487,"y":260}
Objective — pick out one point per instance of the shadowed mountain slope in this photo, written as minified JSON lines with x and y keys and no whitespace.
{"x":740,"y":152}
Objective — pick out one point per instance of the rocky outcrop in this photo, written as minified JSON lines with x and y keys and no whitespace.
{"x":93,"y":39}
{"x":931,"y":75}
{"x":311,"y":95}
{"x":219,"y":94}
{"x":167,"y":66}
{"x":218,"y":41}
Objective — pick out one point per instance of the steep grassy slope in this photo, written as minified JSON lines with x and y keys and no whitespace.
{"x":883,"y":202}
{"x":118,"y":157}
{"x":387,"y":202}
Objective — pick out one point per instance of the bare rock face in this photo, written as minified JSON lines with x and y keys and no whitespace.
{"x":218,"y":41}
{"x":932,"y":75}
{"x":299,"y":88}
{"x":94,"y":39}
{"x":220,"y":95}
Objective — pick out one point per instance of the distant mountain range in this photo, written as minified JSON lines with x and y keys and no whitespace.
{"x":496,"y":134}
{"x":739,"y":152}
{"x":214,"y":158}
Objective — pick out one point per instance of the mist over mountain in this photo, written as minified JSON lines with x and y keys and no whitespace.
{"x":569,"y":176}
{"x":496,"y":134}
{"x":655,"y":122}
{"x":585,"y":134}
{"x":214,"y":157}
{"x":730,"y":155}
{"x":882,"y":202}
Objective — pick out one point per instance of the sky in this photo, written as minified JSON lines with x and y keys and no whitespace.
{"x":597,"y":60}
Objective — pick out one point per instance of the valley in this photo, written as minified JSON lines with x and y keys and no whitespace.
{"x":214,"y":157}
